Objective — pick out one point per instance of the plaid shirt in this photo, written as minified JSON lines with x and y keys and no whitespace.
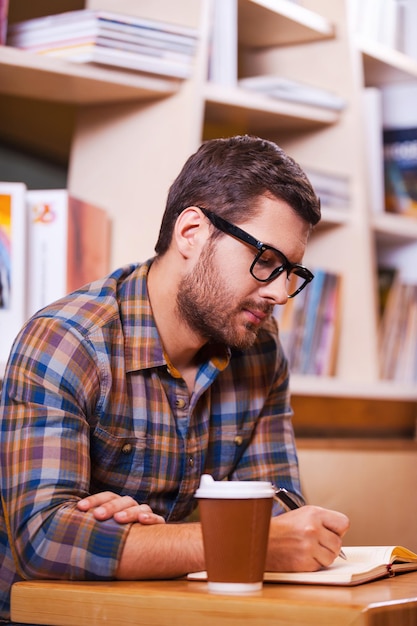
{"x":90,"y":403}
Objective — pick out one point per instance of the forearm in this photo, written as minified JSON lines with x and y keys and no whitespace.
{"x":161,"y":551}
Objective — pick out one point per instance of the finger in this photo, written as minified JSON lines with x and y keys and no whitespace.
{"x":147,"y":516}
{"x":327,"y":554}
{"x":95,"y":500}
{"x":336,"y":522}
{"x":139,"y":513}
{"x":150,"y":519}
{"x":331,"y":543}
{"x":111,"y":507}
{"x":124,"y":509}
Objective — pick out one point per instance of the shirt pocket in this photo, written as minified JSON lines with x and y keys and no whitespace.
{"x":226,"y":447}
{"x":117,"y":464}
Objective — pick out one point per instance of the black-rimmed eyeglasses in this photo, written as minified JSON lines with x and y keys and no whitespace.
{"x":269,"y":263}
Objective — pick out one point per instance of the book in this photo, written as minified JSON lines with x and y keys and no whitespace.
{"x":398,"y":332}
{"x":406,"y":35}
{"x":290,"y":319}
{"x":400,"y":170}
{"x":68,"y":245}
{"x":293,"y":91}
{"x":363,"y":564}
{"x":223,"y":63}
{"x":123,"y":59}
{"x":4,"y":12}
{"x":372,"y":108}
{"x":386,"y":276}
{"x":12,"y":263}
{"x":119,"y":21}
{"x":389,"y":27}
{"x":105,"y":39}
{"x":388,"y":330}
{"x":309,"y":324}
{"x":324,"y":350}
{"x":366,"y":18}
{"x":406,"y":365}
{"x":378,"y":20}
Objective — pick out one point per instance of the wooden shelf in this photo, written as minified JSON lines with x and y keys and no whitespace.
{"x":385,"y":66}
{"x":333,"y":217}
{"x":356,"y":443}
{"x":46,"y":78}
{"x":325,"y":407}
{"x":264,"y":23}
{"x":334,"y":387}
{"x":257,"y":113}
{"x":395,"y":228}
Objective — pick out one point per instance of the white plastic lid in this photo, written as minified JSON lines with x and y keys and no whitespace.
{"x":233,"y":489}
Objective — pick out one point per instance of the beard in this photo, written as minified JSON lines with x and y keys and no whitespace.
{"x":209,"y":306}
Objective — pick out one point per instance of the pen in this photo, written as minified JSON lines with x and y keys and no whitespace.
{"x":284,"y":498}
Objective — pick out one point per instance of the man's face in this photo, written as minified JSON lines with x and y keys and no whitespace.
{"x":219,"y":299}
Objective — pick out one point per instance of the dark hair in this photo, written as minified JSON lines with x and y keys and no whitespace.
{"x":228,"y":175}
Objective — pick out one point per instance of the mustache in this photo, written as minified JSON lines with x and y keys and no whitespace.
{"x":261,"y":307}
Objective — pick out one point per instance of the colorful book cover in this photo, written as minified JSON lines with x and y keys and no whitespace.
{"x":325,"y":347}
{"x":309,"y":324}
{"x":400,"y":170}
{"x":12,"y":263}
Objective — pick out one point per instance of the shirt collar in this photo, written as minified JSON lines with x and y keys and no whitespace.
{"x":143,"y":347}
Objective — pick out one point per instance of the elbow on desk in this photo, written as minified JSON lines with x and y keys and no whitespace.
{"x":65,"y":548}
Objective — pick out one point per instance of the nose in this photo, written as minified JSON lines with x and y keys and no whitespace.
{"x":276,"y":290}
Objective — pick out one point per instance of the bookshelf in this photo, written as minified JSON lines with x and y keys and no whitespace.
{"x":127,"y":135}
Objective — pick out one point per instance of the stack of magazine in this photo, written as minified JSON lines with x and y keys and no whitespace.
{"x":332,"y":189}
{"x":293,"y":90}
{"x":112,"y":39}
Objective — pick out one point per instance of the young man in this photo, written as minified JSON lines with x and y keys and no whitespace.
{"x":119,"y":396}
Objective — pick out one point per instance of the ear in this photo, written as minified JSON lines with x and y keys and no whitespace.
{"x":191,"y":231}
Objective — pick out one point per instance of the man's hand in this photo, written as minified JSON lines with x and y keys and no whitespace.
{"x":123,"y":509}
{"x":305,"y":539}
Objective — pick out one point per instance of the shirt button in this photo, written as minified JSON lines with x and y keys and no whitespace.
{"x":127,"y":448}
{"x":180,"y":403}
{"x":191,"y":461}
{"x":238,"y":440}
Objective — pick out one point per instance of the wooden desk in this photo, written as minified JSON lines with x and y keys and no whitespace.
{"x":388,"y":602}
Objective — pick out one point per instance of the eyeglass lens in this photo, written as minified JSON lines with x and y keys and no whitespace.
{"x":269,"y":262}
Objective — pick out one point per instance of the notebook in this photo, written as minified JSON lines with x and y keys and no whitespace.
{"x":363,"y":564}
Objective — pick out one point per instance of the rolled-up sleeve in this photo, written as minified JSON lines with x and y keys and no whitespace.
{"x":48,"y":405}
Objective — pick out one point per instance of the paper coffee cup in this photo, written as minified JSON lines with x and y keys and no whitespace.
{"x":235,"y":518}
